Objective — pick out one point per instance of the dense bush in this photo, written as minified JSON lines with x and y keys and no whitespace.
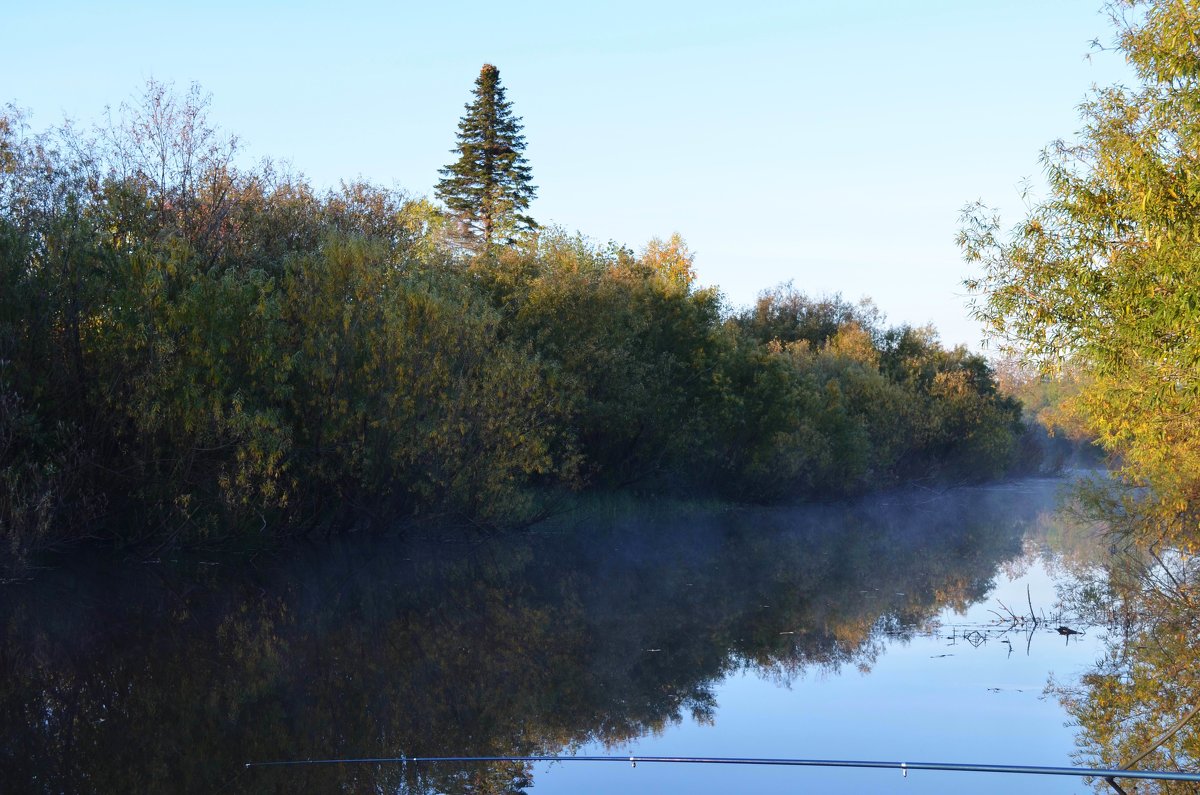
{"x":194,"y":352}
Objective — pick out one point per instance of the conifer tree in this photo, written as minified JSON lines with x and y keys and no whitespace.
{"x":488,"y":187}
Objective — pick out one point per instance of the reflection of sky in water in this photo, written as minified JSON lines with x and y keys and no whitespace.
{"x":977,"y":704}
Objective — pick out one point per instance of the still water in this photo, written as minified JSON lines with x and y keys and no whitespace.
{"x":893,"y":629}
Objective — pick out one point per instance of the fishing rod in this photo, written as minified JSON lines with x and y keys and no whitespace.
{"x":903,"y":767}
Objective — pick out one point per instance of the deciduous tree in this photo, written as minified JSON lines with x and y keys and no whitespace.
{"x":1103,"y":271}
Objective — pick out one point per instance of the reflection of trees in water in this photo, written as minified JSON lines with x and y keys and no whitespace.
{"x":151,"y":679}
{"x":1133,"y":708}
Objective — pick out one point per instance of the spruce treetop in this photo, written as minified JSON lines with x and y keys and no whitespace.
{"x":488,"y":187}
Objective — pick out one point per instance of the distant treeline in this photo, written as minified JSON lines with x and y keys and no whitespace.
{"x":193,"y":351}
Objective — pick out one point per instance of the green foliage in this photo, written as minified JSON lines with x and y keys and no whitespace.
{"x":667,"y":395}
{"x":193,"y":353}
{"x":205,"y":352}
{"x":632,"y":345}
{"x":788,"y":315}
{"x":405,"y":388}
{"x":1102,"y":272}
{"x":850,"y":416}
{"x":488,"y":187}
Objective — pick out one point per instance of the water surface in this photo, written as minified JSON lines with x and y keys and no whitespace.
{"x":880,"y":630}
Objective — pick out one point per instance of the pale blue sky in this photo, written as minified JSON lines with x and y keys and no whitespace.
{"x":828,"y":143}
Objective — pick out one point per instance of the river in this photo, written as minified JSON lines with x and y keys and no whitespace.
{"x":898,"y":628}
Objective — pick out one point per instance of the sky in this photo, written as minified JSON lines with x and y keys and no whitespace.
{"x":829,"y":144}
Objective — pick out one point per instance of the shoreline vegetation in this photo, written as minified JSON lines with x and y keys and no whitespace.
{"x":1098,"y":283}
{"x":193,"y":352}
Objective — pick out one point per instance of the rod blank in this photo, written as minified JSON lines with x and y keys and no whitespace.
{"x":1159,"y":775}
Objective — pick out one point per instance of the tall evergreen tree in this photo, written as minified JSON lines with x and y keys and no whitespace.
{"x":489,"y":186}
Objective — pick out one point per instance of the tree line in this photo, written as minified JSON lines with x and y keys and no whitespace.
{"x":194,"y":351}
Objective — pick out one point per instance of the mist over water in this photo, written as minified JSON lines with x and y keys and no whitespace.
{"x":865,"y":630}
